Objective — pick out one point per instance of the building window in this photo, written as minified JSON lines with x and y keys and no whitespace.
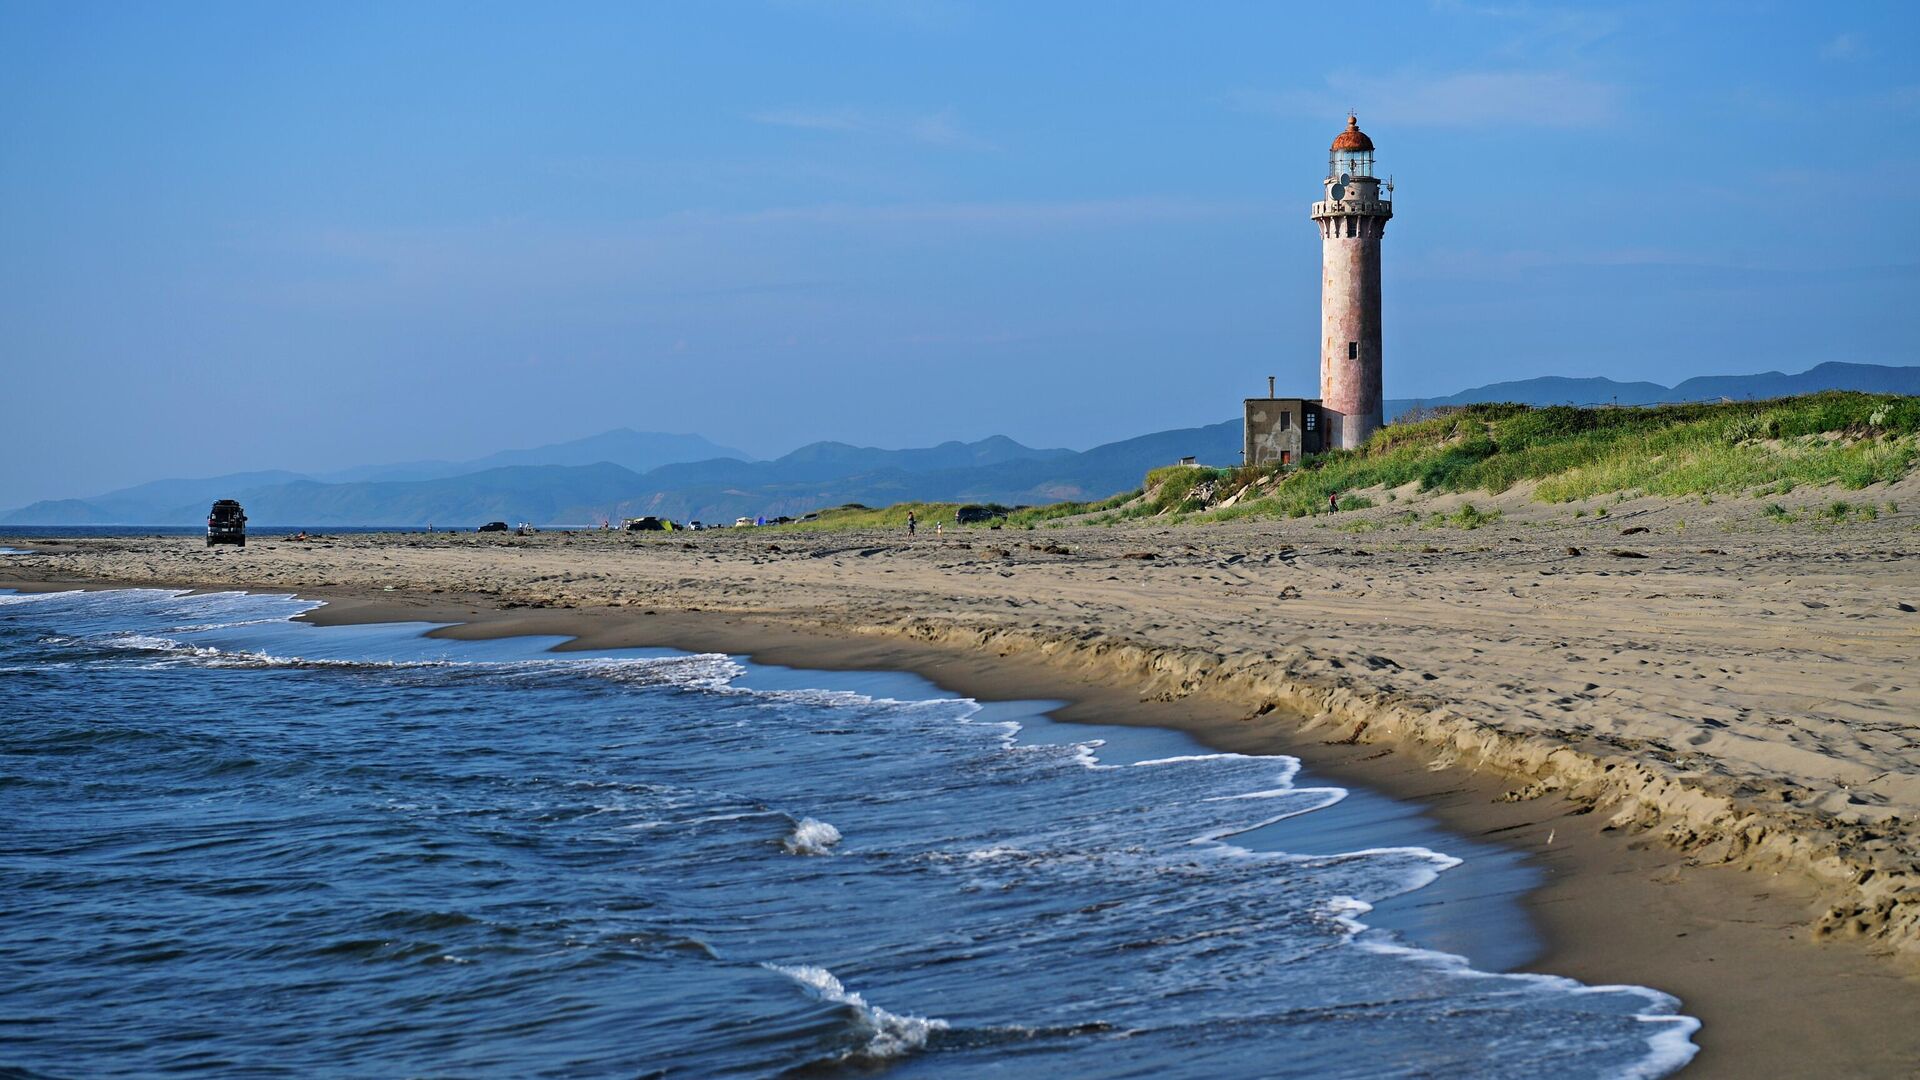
{"x":1311,"y":417}
{"x":1286,"y":421}
{"x":1353,"y":350}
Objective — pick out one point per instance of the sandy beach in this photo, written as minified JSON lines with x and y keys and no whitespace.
{"x":1700,"y":723}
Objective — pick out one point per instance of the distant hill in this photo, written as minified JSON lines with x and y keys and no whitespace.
{"x":175,"y":502}
{"x":996,"y":469}
{"x":1554,"y":390}
{"x":626,"y":473}
{"x":566,"y":494}
{"x":145,"y":504}
{"x":721,"y":491}
{"x":638,"y":451}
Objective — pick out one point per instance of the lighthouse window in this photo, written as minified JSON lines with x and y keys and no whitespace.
{"x":1353,"y":350}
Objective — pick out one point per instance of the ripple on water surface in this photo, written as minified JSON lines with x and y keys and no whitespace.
{"x":256,"y":845}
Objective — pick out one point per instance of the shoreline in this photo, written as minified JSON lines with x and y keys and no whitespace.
{"x":1619,"y":901}
{"x":1606,"y":911}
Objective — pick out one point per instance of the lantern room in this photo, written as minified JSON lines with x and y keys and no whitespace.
{"x":1352,"y":153}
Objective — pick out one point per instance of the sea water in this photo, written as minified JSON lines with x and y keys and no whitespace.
{"x":235,"y":844}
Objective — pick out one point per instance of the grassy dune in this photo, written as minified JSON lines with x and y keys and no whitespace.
{"x":1734,"y":448}
{"x":1843,"y":439}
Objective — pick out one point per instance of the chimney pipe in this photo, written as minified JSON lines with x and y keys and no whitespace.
{"x":1269,"y":387}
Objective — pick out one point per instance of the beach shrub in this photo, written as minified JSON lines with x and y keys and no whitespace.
{"x":1056,"y":511}
{"x":1467,"y":516}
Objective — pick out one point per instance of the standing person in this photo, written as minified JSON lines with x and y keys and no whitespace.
{"x":910,"y":523}
{"x":1333,"y":502}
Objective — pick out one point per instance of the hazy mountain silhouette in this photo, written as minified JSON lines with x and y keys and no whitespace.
{"x":995,"y":469}
{"x":1555,"y":390}
{"x":635,"y":450}
{"x":625,"y":473}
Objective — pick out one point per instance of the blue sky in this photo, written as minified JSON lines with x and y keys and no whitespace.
{"x":345,"y":233}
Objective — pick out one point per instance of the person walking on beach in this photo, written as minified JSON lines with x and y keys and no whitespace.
{"x":910,"y":523}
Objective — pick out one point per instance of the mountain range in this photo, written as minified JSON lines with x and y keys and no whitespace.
{"x":1555,"y":390}
{"x":635,"y":450}
{"x":627,"y":473}
{"x":995,"y":469}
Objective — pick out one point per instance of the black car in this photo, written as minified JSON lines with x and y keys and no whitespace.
{"x":227,"y":524}
{"x":493,"y":526}
{"x":646,"y":524}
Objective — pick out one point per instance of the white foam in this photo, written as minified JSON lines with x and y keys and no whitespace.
{"x":697,"y":671}
{"x":890,"y":1035}
{"x":1668,"y":1049}
{"x":1669,"y":1043}
{"x":811,"y":837}
{"x":36,"y":598}
{"x":1190,"y":757}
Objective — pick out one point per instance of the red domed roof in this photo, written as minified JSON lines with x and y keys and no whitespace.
{"x":1352,"y":138}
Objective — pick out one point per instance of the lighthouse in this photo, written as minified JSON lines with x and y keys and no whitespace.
{"x":1352,"y":219}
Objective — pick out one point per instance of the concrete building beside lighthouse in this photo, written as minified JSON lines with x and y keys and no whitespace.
{"x":1352,"y":218}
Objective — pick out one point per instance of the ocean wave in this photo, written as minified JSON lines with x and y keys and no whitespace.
{"x":1668,"y":1048}
{"x":699,"y":671}
{"x":36,"y":598}
{"x":811,"y":837}
{"x":1169,"y":818}
{"x":885,"y":1034}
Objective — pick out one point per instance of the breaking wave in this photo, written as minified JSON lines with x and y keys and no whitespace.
{"x":877,"y":1034}
{"x":811,"y":837}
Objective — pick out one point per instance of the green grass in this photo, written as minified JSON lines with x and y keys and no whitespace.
{"x":1056,"y":511}
{"x":1840,"y":510}
{"x":1467,"y":517}
{"x":1729,"y":448}
{"x":1570,"y":455}
{"x":855,"y":516}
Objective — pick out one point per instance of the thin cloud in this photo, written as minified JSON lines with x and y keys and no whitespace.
{"x":1843,"y":47}
{"x":1546,"y":99}
{"x":1535,"y":32}
{"x":940,"y":128}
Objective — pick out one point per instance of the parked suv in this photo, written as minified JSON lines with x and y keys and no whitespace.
{"x":227,"y":524}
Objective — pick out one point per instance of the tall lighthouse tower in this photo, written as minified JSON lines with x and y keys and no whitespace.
{"x":1352,"y":218}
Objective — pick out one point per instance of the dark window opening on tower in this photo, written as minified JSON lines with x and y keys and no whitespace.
{"x":1286,"y":421}
{"x":1353,"y":350}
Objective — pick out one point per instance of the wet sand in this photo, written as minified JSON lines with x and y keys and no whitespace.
{"x":1709,"y":751}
